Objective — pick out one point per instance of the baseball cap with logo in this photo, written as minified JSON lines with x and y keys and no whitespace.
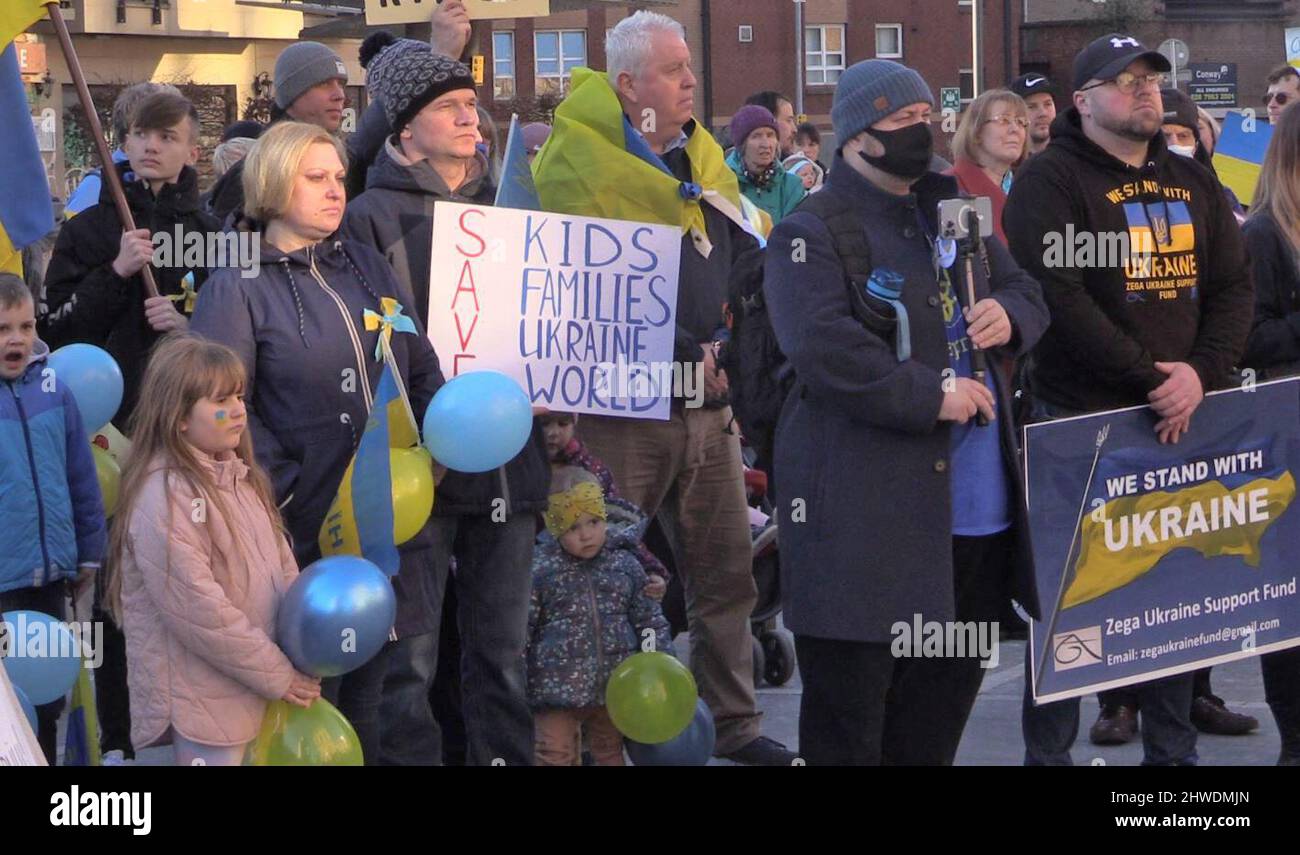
{"x":1106,"y":57}
{"x":1032,"y":84}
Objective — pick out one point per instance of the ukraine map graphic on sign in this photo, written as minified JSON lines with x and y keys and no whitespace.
{"x":1153,"y":560}
{"x":1128,"y":536}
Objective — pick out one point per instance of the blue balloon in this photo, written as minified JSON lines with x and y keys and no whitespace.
{"x":29,"y":708}
{"x":336,"y":616}
{"x":693,"y":747}
{"x":477,"y":422}
{"x":41,"y":655}
{"x":95,"y":380}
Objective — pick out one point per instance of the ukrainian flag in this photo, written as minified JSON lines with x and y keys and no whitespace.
{"x":81,"y":742}
{"x":1240,"y":154}
{"x":17,"y":15}
{"x":25,"y":213}
{"x":360,"y":520}
{"x":595,"y":164}
{"x":516,"y":189}
{"x":1150,"y":231}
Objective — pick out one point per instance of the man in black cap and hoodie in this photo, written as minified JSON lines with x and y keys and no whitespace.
{"x":1160,"y":332}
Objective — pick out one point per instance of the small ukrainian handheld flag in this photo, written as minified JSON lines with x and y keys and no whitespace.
{"x":360,"y":520}
{"x":516,"y":189}
{"x":1240,"y":153}
{"x":25,"y":211}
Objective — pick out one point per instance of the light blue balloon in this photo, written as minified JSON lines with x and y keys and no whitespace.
{"x":336,"y":616}
{"x":692,"y":747}
{"x":477,"y":422}
{"x":41,"y":655}
{"x":95,"y":380}
{"x":29,"y":708}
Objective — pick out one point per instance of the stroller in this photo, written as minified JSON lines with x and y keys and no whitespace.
{"x":774,"y":655}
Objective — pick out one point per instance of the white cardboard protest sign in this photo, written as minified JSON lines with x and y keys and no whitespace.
{"x":418,"y":11}
{"x":18,"y":745}
{"x":580,"y":311}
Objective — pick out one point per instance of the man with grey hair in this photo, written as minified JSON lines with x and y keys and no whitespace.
{"x":87,"y":192}
{"x":692,"y":460}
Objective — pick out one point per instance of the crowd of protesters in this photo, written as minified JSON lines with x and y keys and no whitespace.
{"x":905,"y":450}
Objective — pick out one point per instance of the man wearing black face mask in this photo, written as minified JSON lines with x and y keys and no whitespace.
{"x":897,"y":507}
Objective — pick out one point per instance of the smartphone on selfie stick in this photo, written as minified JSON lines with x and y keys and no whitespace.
{"x":968,"y":220}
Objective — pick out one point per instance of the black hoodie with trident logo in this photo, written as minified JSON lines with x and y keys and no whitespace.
{"x":1138,"y":265}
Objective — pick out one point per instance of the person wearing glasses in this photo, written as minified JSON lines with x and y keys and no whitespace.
{"x":1127,"y":335}
{"x":991,"y":140}
{"x":1283,"y":89}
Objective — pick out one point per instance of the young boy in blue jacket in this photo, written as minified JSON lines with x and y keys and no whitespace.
{"x":52,"y":529}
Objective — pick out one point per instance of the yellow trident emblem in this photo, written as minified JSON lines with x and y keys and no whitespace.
{"x":1160,"y":228}
{"x":948,"y":296}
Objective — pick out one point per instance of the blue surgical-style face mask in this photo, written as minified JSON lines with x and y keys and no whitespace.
{"x":1184,"y":150}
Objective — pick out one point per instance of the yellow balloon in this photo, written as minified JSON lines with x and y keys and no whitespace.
{"x":412,"y":476}
{"x":317,"y":735}
{"x":110,"y":478}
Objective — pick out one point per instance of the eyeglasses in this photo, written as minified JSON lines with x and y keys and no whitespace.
{"x":1007,"y":121}
{"x":1280,"y":97}
{"x":1128,"y":82}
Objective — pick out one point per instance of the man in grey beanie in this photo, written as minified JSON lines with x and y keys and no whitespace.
{"x":909,"y":510}
{"x":309,"y":80}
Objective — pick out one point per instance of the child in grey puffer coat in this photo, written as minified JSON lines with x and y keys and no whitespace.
{"x":589,"y":612}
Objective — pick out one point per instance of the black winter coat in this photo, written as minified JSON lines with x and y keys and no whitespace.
{"x":861,"y":456}
{"x":85,"y":301}
{"x":298,"y":327}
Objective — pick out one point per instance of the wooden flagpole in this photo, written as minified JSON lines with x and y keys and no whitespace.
{"x":108,"y":170}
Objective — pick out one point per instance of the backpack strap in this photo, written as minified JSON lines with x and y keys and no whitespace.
{"x":847,"y":234}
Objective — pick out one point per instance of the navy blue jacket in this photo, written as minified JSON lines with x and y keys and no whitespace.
{"x":311,"y":364}
{"x":861,"y":456}
{"x":51,"y":513}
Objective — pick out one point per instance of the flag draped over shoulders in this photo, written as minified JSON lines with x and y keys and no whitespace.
{"x":595,"y":164}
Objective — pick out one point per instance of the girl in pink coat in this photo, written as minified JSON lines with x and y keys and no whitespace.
{"x":199,"y":563}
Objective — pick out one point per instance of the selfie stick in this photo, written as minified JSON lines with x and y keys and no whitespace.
{"x":978,"y":364}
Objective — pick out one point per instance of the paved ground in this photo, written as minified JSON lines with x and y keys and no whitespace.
{"x":993,"y":737}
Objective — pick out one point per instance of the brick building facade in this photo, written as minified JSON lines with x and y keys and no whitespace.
{"x":752,"y":47}
{"x":1248,"y":33}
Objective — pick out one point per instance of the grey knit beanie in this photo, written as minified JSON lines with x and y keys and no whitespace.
{"x":301,"y":66}
{"x":870,"y":90}
{"x":414,"y":78}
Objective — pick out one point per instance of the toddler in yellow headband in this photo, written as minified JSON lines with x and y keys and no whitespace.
{"x":590,"y":610}
{"x":576,"y":518}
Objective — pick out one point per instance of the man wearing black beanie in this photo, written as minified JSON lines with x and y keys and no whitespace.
{"x":430,"y":104}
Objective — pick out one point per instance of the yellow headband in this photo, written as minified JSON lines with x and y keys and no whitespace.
{"x":563,"y":509}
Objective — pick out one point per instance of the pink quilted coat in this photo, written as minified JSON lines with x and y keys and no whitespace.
{"x":200,"y":621}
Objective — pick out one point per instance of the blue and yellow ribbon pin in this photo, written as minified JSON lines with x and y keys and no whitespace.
{"x":391,"y":319}
{"x":188,"y":294}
